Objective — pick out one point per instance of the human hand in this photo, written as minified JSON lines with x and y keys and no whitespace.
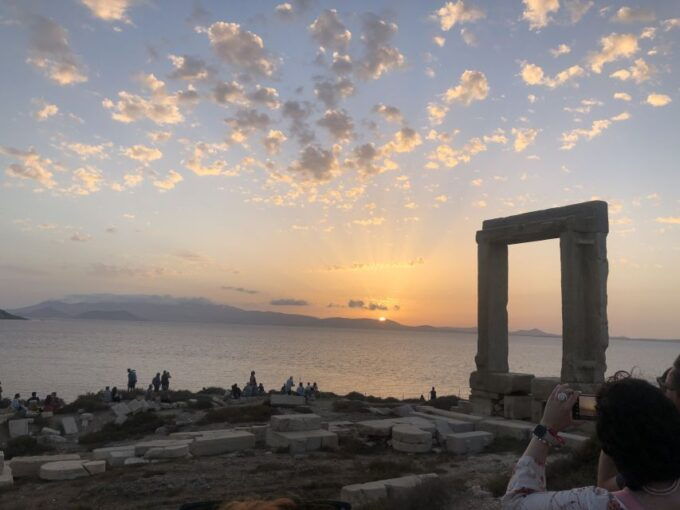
{"x":557,"y":413}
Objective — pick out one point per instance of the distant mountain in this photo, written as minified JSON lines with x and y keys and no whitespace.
{"x":534,"y":332}
{"x":112,"y":315}
{"x":6,"y":316}
{"x":165,"y":309}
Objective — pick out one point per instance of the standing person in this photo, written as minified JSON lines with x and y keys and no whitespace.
{"x":0,"y":391}
{"x":156,"y":381}
{"x":289,"y":385}
{"x":315,"y":390}
{"x":149,"y":393}
{"x":301,"y":389}
{"x":17,"y":406}
{"x":433,"y":394}
{"x":253,"y":381}
{"x":106,"y":395}
{"x":165,"y":380}
{"x":132,"y":379}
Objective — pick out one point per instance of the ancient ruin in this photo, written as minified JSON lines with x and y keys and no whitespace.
{"x":582,"y":230}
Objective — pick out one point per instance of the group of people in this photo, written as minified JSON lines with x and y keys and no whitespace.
{"x":311,"y":391}
{"x":35,"y":404}
{"x":160,"y":382}
{"x":639,"y":467}
{"x":250,"y":389}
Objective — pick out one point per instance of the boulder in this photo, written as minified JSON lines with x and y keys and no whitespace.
{"x":120,"y":419}
{"x":68,"y":423}
{"x":18,"y":428}
{"x":406,"y":433}
{"x":468,"y":442}
{"x":6,"y":478}
{"x":295,"y":422}
{"x":279,"y":400}
{"x":121,"y":409}
{"x":136,"y":406}
{"x":167,"y":452}
{"x":63,"y":470}
{"x":403,"y":411}
{"x":95,"y":467}
{"x":225,"y":442}
{"x":30,"y":466}
{"x":114,"y":455}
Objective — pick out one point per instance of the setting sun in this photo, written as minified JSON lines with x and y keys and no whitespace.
{"x":382,"y":319}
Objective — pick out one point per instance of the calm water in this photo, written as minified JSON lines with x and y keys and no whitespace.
{"x":72,"y":357}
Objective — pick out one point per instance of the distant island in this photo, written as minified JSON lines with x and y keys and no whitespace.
{"x":6,"y":316}
{"x":171,"y":309}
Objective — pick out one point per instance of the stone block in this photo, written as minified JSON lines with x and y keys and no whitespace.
{"x":454,"y":424}
{"x":279,"y":400}
{"x":362,"y":494}
{"x":18,"y":428}
{"x":120,"y":419}
{"x":225,"y":442}
{"x":144,"y":446}
{"x":450,"y":414}
{"x":537,"y":407}
{"x":519,"y":430}
{"x":464,"y":406}
{"x":468,"y":442}
{"x":87,"y":416}
{"x":2,"y":460}
{"x":46,"y":414}
{"x":49,"y":431}
{"x":517,"y":407}
{"x":63,"y":470}
{"x":168,"y":452}
{"x":403,"y":411}
{"x":95,"y":467}
{"x":295,"y":422}
{"x":485,"y":394}
{"x":400,"y":487}
{"x":51,"y":439}
{"x":6,"y":478}
{"x":135,"y":461}
{"x":412,"y":447}
{"x":303,"y":441}
{"x":482,"y":406}
{"x":30,"y":466}
{"x":541,"y":387}
{"x":380,"y":411}
{"x":405,"y":433}
{"x":506,"y":383}
{"x":136,"y":406}
{"x":376,"y":428}
{"x":68,"y":423}
{"x":120,"y":409}
{"x":104,"y":453}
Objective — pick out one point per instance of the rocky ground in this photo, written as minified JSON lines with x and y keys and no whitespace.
{"x":261,"y":473}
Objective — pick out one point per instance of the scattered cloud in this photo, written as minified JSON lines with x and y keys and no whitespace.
{"x":570,"y":138}
{"x":669,"y":220}
{"x":86,"y":151}
{"x":658,"y":99}
{"x":239,"y":289}
{"x":524,"y":137}
{"x":634,"y":15}
{"x":389,"y":113}
{"x":31,"y":166}
{"x":143,"y":154}
{"x":622,"y":96}
{"x":266,"y":96}
{"x":229,"y":93}
{"x":639,"y":72}
{"x":330,"y":92}
{"x":562,"y":49}
{"x":436,"y":113}
{"x":360,"y":303}
{"x":329,"y":32}
{"x":50,"y":52}
{"x":472,"y":86}
{"x":316,"y":164}
{"x":273,"y":141}
{"x":379,"y":57}
{"x":339,"y":124}
{"x":201,"y":151}
{"x":614,"y":47}
{"x":451,"y":14}
{"x":45,"y":110}
{"x":189,"y":68}
{"x":537,"y":12}
{"x":578,"y":8}
{"x":86,"y":180}
{"x":288,"y":302}
{"x":79,"y":237}
{"x":240,"y":48}
{"x":534,"y":75}
{"x":170,"y":181}
{"x":109,"y":10}
{"x":160,"y":107}
{"x":404,"y":140}
{"x":159,"y":136}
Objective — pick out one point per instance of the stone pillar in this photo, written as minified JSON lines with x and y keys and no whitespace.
{"x":492,"y":306}
{"x":585,"y":335}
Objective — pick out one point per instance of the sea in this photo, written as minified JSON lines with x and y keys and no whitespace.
{"x":72,"y":357}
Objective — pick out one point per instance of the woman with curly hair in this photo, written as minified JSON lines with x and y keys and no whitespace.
{"x":638,"y":428}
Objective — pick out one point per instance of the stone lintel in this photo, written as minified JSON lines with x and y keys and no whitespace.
{"x":592,"y":217}
{"x":505,"y":383}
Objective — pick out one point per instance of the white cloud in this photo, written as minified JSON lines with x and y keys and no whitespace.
{"x":284,"y":10}
{"x":439,"y":41}
{"x":669,"y":220}
{"x":369,"y":160}
{"x":640,"y":71}
{"x":170,"y":181}
{"x":241,"y":48}
{"x":534,"y":75}
{"x":451,"y":14}
{"x":390,"y":113}
{"x":109,"y":10}
{"x":570,"y":138}
{"x":49,"y":51}
{"x":658,"y":100}
{"x":578,"y":8}
{"x":468,"y":36}
{"x":87,"y":180}
{"x":160,"y":107}
{"x":199,"y":152}
{"x":670,"y":24}
{"x":436,"y":113}
{"x":267,"y":96}
{"x":342,"y":64}
{"x":189,"y":68}
{"x":473,"y":86}
{"x":524,"y":137}
{"x":562,"y":49}
{"x":159,"y":136}
{"x":229,"y":93}
{"x":451,"y":157}
{"x":86,"y":151}
{"x":329,"y":31}
{"x":143,"y":154}
{"x":537,"y":12}
{"x":404,"y":140}
{"x":614,"y":47}
{"x":316,"y":164}
{"x":45,"y":111}
{"x":31,"y":166}
{"x":273,"y":141}
{"x":379,"y":57}
{"x":622,"y":96}
{"x":634,"y":15}
{"x":331,"y":92}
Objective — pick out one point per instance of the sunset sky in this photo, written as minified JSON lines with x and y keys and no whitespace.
{"x":336,"y":158}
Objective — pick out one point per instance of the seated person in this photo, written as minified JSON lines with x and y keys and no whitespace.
{"x":33,"y":402}
{"x":637,"y":427}
{"x":301,"y":389}
{"x":115,"y":396}
{"x":260,"y":390}
{"x":106,"y":395}
{"x":17,"y":406}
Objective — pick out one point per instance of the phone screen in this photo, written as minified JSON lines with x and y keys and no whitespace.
{"x":584,"y":409}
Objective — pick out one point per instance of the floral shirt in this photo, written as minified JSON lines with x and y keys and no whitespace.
{"x":526,"y":491}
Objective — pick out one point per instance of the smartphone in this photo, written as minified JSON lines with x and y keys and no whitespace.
{"x":584,"y":408}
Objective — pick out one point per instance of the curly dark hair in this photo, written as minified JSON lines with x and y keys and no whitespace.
{"x":638,"y":428}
